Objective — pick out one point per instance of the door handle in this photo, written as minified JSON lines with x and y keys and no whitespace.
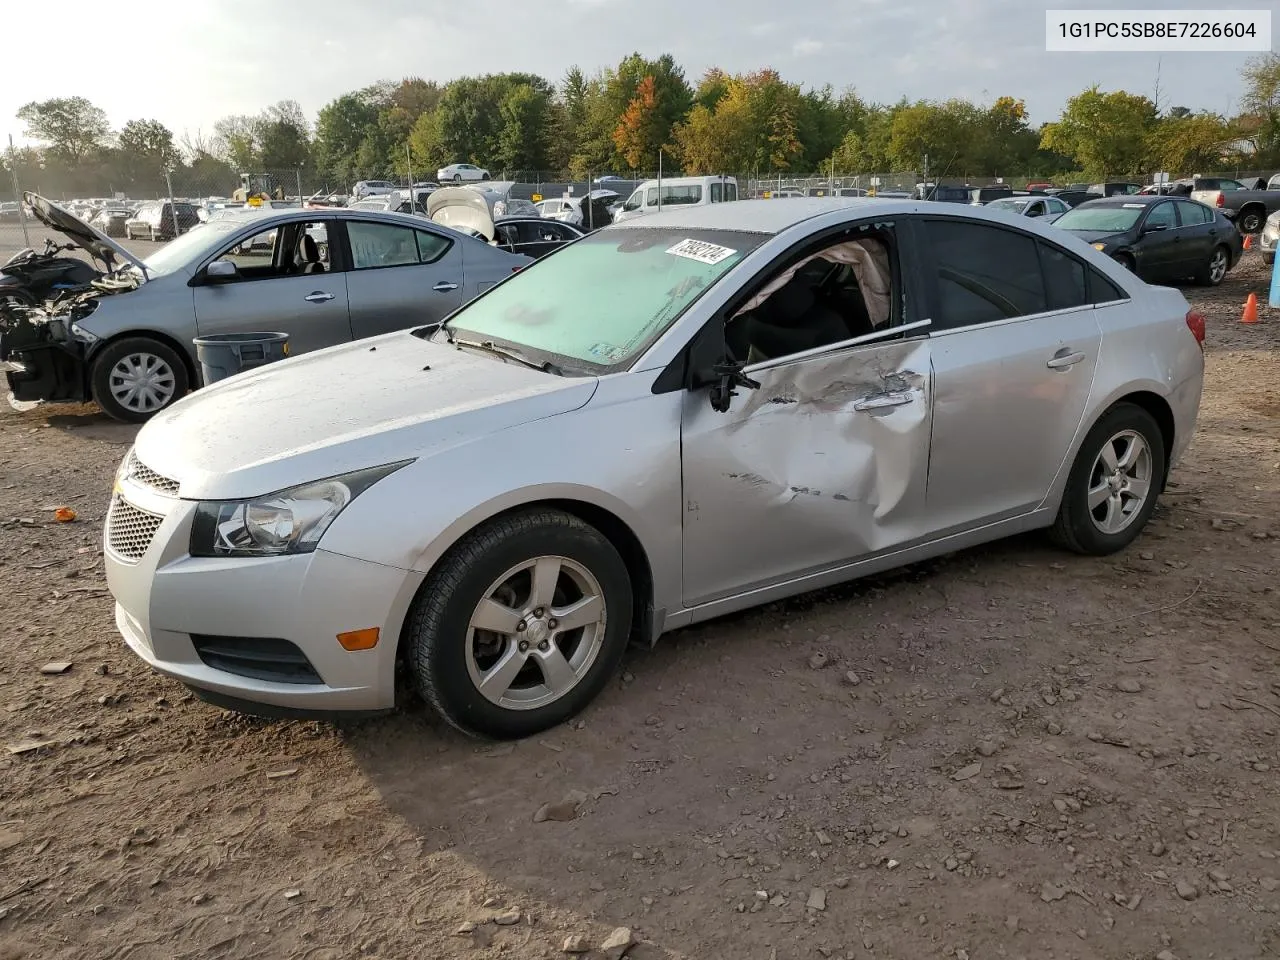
{"x":444,"y":286}
{"x":1061,"y":362}
{"x":880,"y":401}
{"x":318,"y":296}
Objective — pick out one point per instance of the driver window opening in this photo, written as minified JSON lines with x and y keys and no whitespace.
{"x":287,"y":250}
{"x":837,"y":292}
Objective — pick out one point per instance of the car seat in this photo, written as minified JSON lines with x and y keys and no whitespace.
{"x":791,"y":320}
{"x":309,"y":255}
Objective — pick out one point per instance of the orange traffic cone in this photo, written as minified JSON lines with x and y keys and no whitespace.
{"x":1250,"y":314}
{"x":1248,"y":241}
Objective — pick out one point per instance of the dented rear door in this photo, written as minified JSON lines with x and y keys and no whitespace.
{"x":825,"y":463}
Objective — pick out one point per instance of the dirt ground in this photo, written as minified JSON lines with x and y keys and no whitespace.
{"x":1011,"y":752}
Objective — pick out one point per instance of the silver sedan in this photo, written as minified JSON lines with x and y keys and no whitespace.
{"x":665,"y":421}
{"x":322,"y":276}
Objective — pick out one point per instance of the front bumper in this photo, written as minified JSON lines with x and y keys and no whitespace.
{"x":1269,"y":240}
{"x":181,"y":614}
{"x":41,"y":361}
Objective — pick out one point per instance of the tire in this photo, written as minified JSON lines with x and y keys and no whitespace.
{"x":457,"y":178}
{"x":158,"y":361}
{"x":447,"y":656}
{"x":1079,"y":528}
{"x":484,"y":176}
{"x":1126,"y":261}
{"x":1215,"y":269}
{"x":1251,"y":221}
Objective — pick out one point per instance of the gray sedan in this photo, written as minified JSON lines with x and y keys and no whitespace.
{"x":322,"y":276}
{"x":665,"y":421}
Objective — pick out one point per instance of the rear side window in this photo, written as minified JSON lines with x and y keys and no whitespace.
{"x":1064,"y":279}
{"x":717,"y":193}
{"x":431,"y":246}
{"x":1193,"y":213}
{"x":1102,"y":290}
{"x":984,"y":274}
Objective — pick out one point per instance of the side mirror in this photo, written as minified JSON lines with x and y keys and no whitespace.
{"x":727,"y":375}
{"x":221,"y":271}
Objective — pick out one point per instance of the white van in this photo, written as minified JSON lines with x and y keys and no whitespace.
{"x":677,"y":192}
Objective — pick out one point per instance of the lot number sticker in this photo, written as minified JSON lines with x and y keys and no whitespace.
{"x":701,"y":251}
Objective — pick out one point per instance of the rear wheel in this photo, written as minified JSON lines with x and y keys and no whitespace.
{"x":484,"y":176}
{"x":521,"y":625}
{"x":1114,"y":482}
{"x":1251,"y":221}
{"x":135,"y":378}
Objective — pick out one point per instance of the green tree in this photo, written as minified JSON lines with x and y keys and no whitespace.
{"x":611,"y":92}
{"x":72,"y":127}
{"x":148,"y":144}
{"x":1188,"y":143}
{"x":1104,"y":133}
{"x":235,"y":140}
{"x":1261,"y":105}
{"x":522,"y":140}
{"x":342,"y":127}
{"x":283,"y":137}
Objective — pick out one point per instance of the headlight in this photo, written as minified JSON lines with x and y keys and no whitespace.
{"x":291,"y":521}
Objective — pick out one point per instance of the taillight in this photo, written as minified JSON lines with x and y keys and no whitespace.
{"x":1195,"y":323}
{"x":1221,"y":201}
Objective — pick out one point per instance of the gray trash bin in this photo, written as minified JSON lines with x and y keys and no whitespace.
{"x":223,"y":355}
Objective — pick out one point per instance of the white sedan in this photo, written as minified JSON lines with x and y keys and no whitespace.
{"x":457,"y":172}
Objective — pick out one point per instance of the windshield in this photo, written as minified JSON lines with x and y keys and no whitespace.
{"x":193,"y":246}
{"x":633,"y":201}
{"x":1109,"y":218}
{"x":1009,"y":204}
{"x":598,"y":303}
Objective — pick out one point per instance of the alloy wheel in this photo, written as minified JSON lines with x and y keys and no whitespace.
{"x":1120,"y":481}
{"x":142,"y":382}
{"x":1218,"y":266}
{"x":536,"y":633}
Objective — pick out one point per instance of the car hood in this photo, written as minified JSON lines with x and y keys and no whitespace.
{"x":462,"y":209}
{"x":68,"y":224}
{"x":1094,"y":236}
{"x":363,"y":404}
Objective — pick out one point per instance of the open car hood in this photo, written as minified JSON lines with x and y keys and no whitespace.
{"x":462,"y":209}
{"x":67,"y":223}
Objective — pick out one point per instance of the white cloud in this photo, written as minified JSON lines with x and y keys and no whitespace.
{"x":806,"y":47}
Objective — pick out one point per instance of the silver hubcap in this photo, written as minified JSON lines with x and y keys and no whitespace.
{"x":1120,"y":481}
{"x":1218,"y":267}
{"x":536,"y":633}
{"x":142,"y":382}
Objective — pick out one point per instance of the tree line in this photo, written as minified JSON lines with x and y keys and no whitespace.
{"x":618,"y":119}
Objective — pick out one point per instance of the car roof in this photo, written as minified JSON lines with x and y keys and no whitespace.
{"x":1126,"y":199}
{"x":769,"y":216}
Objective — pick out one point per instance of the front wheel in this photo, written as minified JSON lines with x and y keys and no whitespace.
{"x":521,"y":625}
{"x":1215,"y":270}
{"x":135,"y":378}
{"x":1114,"y":482}
{"x":1126,"y":261}
{"x":457,"y":178}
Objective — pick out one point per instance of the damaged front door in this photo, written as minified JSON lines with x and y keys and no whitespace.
{"x":824,"y":463}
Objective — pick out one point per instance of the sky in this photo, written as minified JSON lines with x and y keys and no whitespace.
{"x":189,"y":62}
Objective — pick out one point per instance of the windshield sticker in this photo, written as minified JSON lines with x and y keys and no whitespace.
{"x":607,"y":352}
{"x":1134,"y":206}
{"x":701,"y":251}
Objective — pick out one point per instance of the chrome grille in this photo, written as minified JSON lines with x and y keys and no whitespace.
{"x":130,"y":530}
{"x":147,"y":477}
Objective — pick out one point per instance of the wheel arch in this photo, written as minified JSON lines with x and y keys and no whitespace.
{"x":1160,"y":411}
{"x":613,"y":527}
{"x":1253,"y":206}
{"x":193,"y":375}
